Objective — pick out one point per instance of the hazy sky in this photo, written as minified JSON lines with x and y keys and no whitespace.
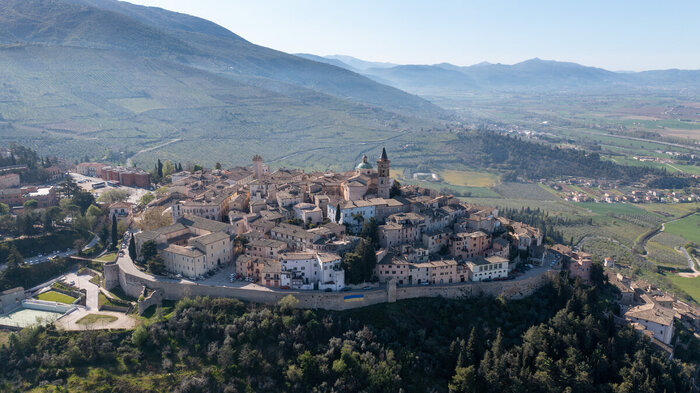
{"x":613,"y":34}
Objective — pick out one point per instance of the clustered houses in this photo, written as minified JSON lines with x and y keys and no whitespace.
{"x":294,"y":227}
{"x":651,"y":312}
{"x":130,"y":177}
{"x":192,"y":246}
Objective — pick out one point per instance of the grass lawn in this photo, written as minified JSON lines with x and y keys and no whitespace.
{"x":688,"y":228}
{"x":470,"y":178}
{"x":104,"y":300}
{"x":107,"y":257}
{"x":91,"y":319}
{"x":53,"y":296}
{"x":689,"y":285}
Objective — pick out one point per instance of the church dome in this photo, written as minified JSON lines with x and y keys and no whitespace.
{"x":364,"y":164}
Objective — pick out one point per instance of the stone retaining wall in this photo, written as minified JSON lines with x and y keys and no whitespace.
{"x":175,"y":290}
{"x":155,"y":298}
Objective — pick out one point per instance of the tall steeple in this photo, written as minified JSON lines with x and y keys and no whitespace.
{"x":383,"y":175}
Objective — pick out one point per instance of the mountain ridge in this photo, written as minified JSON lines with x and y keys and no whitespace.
{"x":533,"y":73}
{"x":173,"y":36}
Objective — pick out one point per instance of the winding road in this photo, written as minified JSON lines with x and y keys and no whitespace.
{"x":129,"y":161}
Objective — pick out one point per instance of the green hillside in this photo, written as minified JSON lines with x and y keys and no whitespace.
{"x":79,"y":102}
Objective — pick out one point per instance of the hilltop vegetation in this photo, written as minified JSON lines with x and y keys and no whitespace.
{"x":558,"y":339}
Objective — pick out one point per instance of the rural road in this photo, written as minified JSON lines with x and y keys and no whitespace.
{"x":130,"y":163}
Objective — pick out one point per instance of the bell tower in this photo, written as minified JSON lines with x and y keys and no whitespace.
{"x":257,"y":166}
{"x":383,"y":176}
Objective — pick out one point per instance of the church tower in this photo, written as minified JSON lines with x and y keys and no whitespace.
{"x":257,"y":166}
{"x":383,"y":176}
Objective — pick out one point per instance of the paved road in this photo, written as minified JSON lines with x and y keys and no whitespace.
{"x":691,"y":265}
{"x":92,"y":243}
{"x":45,"y":258}
{"x":129,"y":161}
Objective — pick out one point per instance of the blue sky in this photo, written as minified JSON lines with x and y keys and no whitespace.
{"x":613,"y":34}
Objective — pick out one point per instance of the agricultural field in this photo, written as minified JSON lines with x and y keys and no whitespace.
{"x":688,"y":228}
{"x":689,"y":285}
{"x":601,"y":248}
{"x":663,"y":255}
{"x":530,"y":191}
{"x":470,"y":178}
{"x":53,"y":296}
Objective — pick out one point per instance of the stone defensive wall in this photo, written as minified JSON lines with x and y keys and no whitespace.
{"x":174,"y":290}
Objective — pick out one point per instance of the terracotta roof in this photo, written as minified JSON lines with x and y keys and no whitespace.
{"x":653,"y":313}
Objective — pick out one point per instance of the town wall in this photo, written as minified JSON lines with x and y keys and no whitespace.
{"x":175,"y":290}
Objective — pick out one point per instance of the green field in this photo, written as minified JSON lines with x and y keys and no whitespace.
{"x":691,"y":286}
{"x":92,"y":319}
{"x":53,"y":296}
{"x":688,"y":228}
{"x":470,"y":178}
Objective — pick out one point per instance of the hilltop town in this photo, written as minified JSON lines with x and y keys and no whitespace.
{"x":292,"y":229}
{"x":334,"y":240}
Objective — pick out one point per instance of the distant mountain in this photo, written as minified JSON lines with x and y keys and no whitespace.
{"x":107,"y":79}
{"x":359,"y":64}
{"x":423,"y":78}
{"x":157,"y":33}
{"x":530,"y":75}
{"x":327,"y":60}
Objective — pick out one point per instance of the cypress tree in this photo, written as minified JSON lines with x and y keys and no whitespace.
{"x":337,"y":214}
{"x":132,"y":249}
{"x":114,"y":232}
{"x":160,"y":169}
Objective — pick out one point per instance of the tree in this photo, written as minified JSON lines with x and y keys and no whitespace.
{"x":93,"y":211}
{"x":288,"y":303}
{"x":83,"y":200}
{"x":156,"y":265}
{"x":149,"y":250}
{"x":104,"y":234}
{"x":337,"y":214}
{"x":597,"y":274}
{"x":159,"y":169}
{"x":146,"y":199}
{"x":464,"y":380}
{"x":4,"y":209}
{"x":359,"y":265}
{"x":48,"y":222}
{"x":139,"y":336}
{"x":132,"y":249}
{"x":115,"y":236}
{"x":113,"y":195}
{"x":168,"y":168}
{"x":154,"y":218}
{"x":395,"y":189}
{"x":370,"y":231}
{"x":31,"y":204}
{"x":217,"y":165}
